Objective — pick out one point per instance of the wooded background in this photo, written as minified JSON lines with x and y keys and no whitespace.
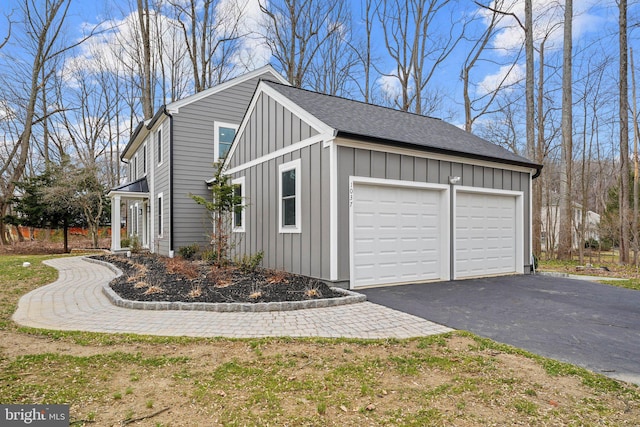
{"x":550,"y":81}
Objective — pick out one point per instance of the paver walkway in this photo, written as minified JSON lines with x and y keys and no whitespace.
{"x":75,"y":302}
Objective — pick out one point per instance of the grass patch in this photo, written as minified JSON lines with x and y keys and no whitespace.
{"x":628,"y":284}
{"x":16,"y":280}
{"x":455,"y":378}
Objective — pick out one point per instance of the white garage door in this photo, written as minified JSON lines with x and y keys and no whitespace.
{"x":397,"y":235}
{"x":485,"y":234}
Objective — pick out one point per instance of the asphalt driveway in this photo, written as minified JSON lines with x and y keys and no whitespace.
{"x":588,"y":324}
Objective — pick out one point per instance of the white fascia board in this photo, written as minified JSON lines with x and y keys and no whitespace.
{"x":318,"y":125}
{"x":386,"y":148}
{"x":174,"y":107}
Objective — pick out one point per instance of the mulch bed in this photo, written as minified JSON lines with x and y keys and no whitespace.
{"x":154,"y":278}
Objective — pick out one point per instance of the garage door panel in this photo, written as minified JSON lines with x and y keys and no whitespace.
{"x":485,"y":234}
{"x":397,"y":234}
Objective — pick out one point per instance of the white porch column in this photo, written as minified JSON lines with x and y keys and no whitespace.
{"x":115,"y":223}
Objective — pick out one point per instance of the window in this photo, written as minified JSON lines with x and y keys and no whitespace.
{"x":159,"y":209}
{"x":224,"y":134}
{"x":144,"y":159}
{"x":289,"y":193}
{"x":159,"y":145}
{"x":238,"y":209}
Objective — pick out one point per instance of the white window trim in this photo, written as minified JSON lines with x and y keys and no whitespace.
{"x":145,"y":158}
{"x":159,"y":144}
{"x":239,"y":181}
{"x":216,"y":139}
{"x":160,"y":215}
{"x":293,"y":165}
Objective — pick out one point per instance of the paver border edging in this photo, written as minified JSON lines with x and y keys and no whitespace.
{"x":349,"y":297}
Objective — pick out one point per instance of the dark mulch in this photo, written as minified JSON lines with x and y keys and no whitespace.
{"x":153,"y":278}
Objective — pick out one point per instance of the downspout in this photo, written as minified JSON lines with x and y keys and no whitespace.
{"x":171,"y":238}
{"x":533,"y":260}
{"x":153,"y":121}
{"x":538,"y":172}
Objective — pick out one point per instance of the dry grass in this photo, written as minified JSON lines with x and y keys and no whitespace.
{"x":277,"y":276}
{"x":313,"y":293}
{"x":181,"y":266}
{"x":154,"y":290}
{"x":195,"y":292}
{"x":221,"y":276}
{"x":140,"y":285}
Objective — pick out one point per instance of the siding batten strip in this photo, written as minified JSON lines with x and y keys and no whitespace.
{"x":333,"y":214}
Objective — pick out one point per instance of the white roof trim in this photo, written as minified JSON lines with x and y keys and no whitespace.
{"x":305,"y":116}
{"x":174,"y":107}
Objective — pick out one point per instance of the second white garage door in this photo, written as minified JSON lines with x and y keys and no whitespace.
{"x":398,"y":234}
{"x":487,"y":234}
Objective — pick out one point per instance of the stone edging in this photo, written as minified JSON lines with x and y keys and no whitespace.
{"x":221,"y":307}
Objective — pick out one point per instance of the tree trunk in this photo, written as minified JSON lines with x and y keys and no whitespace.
{"x":565,"y":242}
{"x":636,"y":189}
{"x":145,"y":34}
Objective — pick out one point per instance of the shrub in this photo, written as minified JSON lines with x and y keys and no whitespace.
{"x":249,"y":263}
{"x":208,"y":255}
{"x":188,"y":252}
{"x":125,"y":242}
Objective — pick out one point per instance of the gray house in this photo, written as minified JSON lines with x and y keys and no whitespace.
{"x":170,"y":156}
{"x":362,"y":195}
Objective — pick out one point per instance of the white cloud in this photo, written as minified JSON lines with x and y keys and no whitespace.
{"x":506,"y":76}
{"x":390,"y":87}
{"x":548,"y":17}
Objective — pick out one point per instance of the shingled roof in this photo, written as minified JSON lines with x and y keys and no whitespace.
{"x":381,"y":124}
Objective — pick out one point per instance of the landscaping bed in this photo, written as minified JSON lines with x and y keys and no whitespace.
{"x":154,"y":278}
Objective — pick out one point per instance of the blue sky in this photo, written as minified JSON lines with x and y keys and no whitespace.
{"x":594,"y":22}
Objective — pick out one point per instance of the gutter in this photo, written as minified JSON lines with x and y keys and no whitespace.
{"x":356,"y":136}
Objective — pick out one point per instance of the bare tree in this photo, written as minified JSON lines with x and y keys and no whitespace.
{"x":210,"y":34}
{"x":484,"y":103}
{"x":334,"y":69}
{"x":8,"y":36}
{"x":566,"y":208}
{"x":417,"y":46}
{"x":624,"y":133}
{"x":146,"y":75}
{"x":43,"y":29}
{"x":297,"y":30}
{"x":364,"y":50}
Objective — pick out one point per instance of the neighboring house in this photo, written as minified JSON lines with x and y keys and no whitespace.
{"x":550,"y":215}
{"x":362,"y":195}
{"x":170,"y":156}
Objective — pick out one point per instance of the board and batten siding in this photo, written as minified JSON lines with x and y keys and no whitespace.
{"x":386,"y":165}
{"x":306,"y":252}
{"x":193,"y":139}
{"x":270,"y":127}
